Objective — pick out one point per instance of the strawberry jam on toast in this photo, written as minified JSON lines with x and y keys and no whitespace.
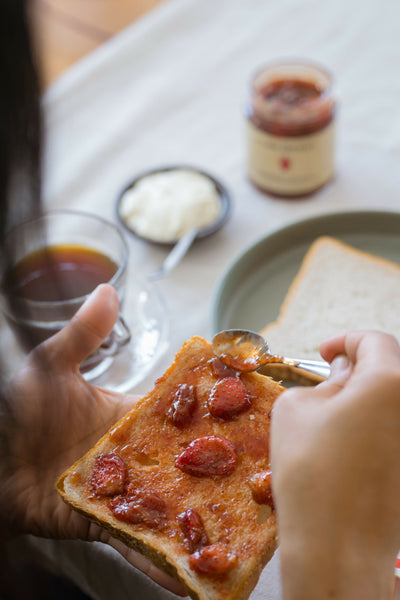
{"x":184,"y":477}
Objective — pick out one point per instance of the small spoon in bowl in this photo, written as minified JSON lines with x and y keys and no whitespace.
{"x":175,"y":256}
{"x":248,"y":351}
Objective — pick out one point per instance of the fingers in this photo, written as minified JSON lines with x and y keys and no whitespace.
{"x":366,"y":347}
{"x":87,"y":329}
{"x":139,"y":561}
{"x":341,"y":370}
{"x":365,"y":352}
{"x":146,"y":566}
{"x":333,"y":346}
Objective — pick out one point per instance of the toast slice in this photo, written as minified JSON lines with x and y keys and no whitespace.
{"x":337,"y":288}
{"x":184,"y":477}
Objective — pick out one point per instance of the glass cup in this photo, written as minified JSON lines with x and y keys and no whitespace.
{"x":58,"y":259}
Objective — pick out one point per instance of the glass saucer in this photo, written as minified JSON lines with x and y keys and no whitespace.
{"x":145,"y":314}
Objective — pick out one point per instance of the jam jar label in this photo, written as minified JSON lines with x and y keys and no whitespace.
{"x":290,"y":166}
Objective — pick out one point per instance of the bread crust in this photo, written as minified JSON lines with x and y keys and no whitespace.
{"x":222,"y":501}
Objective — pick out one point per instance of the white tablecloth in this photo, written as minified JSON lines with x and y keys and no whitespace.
{"x":171,"y":88}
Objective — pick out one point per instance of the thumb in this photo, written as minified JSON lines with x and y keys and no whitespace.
{"x":341,"y":369}
{"x":87,"y":329}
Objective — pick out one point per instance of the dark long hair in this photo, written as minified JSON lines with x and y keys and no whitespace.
{"x":20,"y":131}
{"x":20,"y":199}
{"x":20,"y":119}
{"x":20,"y":187}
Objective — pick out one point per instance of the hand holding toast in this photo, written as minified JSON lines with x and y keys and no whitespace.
{"x":50,"y":417}
{"x":335,"y":452}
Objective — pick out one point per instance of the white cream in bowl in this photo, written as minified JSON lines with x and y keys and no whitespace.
{"x":164,"y":205}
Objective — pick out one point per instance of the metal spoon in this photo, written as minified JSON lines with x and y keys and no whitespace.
{"x":248,"y":351}
{"x":175,"y":256}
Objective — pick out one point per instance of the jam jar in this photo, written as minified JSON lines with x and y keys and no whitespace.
{"x":290,"y":129}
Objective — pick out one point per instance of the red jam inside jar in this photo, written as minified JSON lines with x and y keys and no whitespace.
{"x":290,"y":127}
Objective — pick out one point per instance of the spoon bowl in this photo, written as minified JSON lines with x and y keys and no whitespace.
{"x":248,"y":351}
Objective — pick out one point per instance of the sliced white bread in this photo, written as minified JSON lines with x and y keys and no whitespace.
{"x":147,"y":442}
{"x":338,"y":288}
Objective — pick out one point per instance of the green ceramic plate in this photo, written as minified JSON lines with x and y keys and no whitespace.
{"x":251,"y":291}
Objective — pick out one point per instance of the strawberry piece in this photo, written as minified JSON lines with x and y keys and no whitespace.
{"x":228,"y":398}
{"x":193,"y":530}
{"x":210,"y":456}
{"x":214,"y":561}
{"x":140,"y":507}
{"x":261,"y":488}
{"x":183,"y":405}
{"x":220,"y":370}
{"x":109,"y":475}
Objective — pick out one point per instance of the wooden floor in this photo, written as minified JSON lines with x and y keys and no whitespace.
{"x":67,"y":30}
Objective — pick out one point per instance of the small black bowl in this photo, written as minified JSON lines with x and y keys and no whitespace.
{"x":224,"y":196}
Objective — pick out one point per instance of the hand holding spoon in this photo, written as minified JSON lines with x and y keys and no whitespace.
{"x":248,"y":351}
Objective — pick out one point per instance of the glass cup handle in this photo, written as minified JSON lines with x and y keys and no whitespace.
{"x":119,"y":337}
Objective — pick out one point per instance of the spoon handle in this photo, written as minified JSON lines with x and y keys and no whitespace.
{"x":319,"y":368}
{"x":175,"y":256}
